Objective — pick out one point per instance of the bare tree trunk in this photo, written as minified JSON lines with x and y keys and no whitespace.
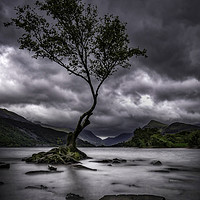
{"x":82,"y":123}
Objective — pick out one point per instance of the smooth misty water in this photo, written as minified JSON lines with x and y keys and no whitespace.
{"x":136,"y":176}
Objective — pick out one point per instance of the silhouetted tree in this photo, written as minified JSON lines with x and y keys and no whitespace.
{"x":71,"y":34}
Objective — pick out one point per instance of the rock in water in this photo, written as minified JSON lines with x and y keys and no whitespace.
{"x":109,"y":161}
{"x":72,"y":196}
{"x":132,"y":197}
{"x":42,"y":172}
{"x":156,"y":162}
{"x":40,"y":187}
{"x":84,"y":167}
{"x":52,"y":168}
{"x":4,"y":166}
{"x":117,"y":160}
{"x":60,"y":155}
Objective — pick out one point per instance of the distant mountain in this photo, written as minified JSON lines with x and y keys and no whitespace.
{"x":17,"y":131}
{"x":82,"y":143}
{"x":85,"y":135}
{"x":197,"y":124}
{"x":172,"y":128}
{"x":11,"y":115}
{"x":156,"y":124}
{"x":88,"y":136}
{"x":118,"y":139}
{"x":179,"y":127}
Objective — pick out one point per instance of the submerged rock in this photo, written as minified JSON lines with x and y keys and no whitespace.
{"x":128,"y":185}
{"x":83,"y":167}
{"x":4,"y":165}
{"x":42,"y":172}
{"x":161,"y":171}
{"x":139,"y":159}
{"x":156,"y":162}
{"x":72,"y":196}
{"x":111,"y":161}
{"x":103,"y":161}
{"x":40,"y":187}
{"x":1,"y":183}
{"x":60,"y":155}
{"x":52,"y":168}
{"x":132,"y":197}
{"x":178,"y":169}
{"x":117,"y":160}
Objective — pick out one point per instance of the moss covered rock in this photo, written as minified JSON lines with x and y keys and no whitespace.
{"x":60,"y":155}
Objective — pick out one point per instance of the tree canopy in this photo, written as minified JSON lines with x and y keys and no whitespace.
{"x":73,"y":35}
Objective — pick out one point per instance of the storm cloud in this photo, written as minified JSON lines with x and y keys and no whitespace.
{"x":164,"y":87}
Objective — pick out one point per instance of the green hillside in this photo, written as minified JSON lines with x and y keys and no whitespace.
{"x":147,"y":138}
{"x":11,"y":136}
{"x":16,"y":131}
{"x":155,"y":124}
{"x":179,"y":127}
{"x":11,"y":115}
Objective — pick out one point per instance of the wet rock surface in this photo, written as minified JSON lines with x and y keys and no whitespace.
{"x":4,"y":165}
{"x":42,"y":172}
{"x":111,"y":161}
{"x":60,"y":155}
{"x":72,"y":196}
{"x":132,"y":197}
{"x":128,"y":185}
{"x":160,"y":171}
{"x":83,"y":167}
{"x":52,"y":168}
{"x":156,"y":162}
{"x":40,"y":187}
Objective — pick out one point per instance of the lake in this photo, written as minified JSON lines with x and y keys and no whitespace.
{"x":178,"y":178}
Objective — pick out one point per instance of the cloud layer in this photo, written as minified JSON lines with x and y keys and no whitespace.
{"x":165,"y":86}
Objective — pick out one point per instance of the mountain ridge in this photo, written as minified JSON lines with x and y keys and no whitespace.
{"x":123,"y":137}
{"x":155,"y":124}
{"x":172,"y":128}
{"x":4,"y":113}
{"x":15,"y":130}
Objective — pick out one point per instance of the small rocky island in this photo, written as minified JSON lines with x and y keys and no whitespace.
{"x":59,"y":155}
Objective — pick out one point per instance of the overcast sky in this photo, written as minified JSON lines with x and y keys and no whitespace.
{"x":163,"y":87}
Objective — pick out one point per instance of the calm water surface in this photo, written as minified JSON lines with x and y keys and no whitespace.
{"x":177,"y":179}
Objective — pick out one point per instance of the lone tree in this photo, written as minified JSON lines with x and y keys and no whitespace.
{"x":71,"y":34}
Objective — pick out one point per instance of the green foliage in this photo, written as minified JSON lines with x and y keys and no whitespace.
{"x":72,"y":34}
{"x":60,"y":141}
{"x":194,"y":139}
{"x":60,"y":155}
{"x":155,"y":124}
{"x":157,"y":140}
{"x":13,"y":137}
{"x":148,"y":137}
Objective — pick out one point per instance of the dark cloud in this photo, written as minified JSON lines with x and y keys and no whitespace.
{"x":164,"y":87}
{"x":168,"y":30}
